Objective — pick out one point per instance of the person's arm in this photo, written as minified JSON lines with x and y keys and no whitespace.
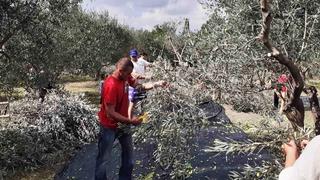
{"x":146,"y":63}
{"x":291,"y":152}
{"x":279,"y":94}
{"x":137,"y":75}
{"x":150,"y":85}
{"x":307,"y":165}
{"x":110,"y":109}
{"x":146,"y":86}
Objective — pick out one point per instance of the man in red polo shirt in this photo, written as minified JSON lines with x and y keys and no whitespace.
{"x":114,"y":110}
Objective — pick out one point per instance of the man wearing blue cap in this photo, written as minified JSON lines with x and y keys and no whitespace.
{"x":139,"y":64}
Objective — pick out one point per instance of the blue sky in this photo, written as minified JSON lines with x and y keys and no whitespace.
{"x":145,"y":14}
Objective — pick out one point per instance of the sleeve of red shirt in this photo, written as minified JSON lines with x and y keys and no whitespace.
{"x":131,"y":80}
{"x":109,"y":93}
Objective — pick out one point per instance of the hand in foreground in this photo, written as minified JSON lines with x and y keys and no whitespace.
{"x":135,"y":121}
{"x":137,"y":76}
{"x":161,"y":84}
{"x":291,"y":151}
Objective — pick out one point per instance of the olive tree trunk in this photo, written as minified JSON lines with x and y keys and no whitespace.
{"x":294,"y":109}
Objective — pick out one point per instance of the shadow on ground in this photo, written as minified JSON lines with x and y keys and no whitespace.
{"x":207,"y":165}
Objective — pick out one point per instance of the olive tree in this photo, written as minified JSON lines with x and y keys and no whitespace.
{"x":292,"y":44}
{"x":229,"y":39}
{"x":28,"y":40}
{"x":225,"y":60}
{"x":42,"y":39}
{"x":94,"y":39}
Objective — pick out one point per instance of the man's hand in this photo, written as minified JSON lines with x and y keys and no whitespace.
{"x":290,"y":147}
{"x":135,"y":121}
{"x":137,"y":76}
{"x":151,"y":85}
{"x":291,"y":151}
{"x":160,"y":84}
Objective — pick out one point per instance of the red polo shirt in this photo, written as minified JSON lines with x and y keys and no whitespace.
{"x":114,"y":92}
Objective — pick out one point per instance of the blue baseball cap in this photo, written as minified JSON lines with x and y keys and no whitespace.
{"x":133,"y":53}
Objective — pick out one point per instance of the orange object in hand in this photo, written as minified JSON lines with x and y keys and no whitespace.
{"x":144,"y":118}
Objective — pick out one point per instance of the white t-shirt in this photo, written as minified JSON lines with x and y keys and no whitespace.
{"x":140,"y":65}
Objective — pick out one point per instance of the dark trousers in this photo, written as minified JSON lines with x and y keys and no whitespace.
{"x":105,"y":144}
{"x":275,"y":100}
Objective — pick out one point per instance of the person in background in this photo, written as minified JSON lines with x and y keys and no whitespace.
{"x":312,"y":93}
{"x":100,"y":86}
{"x":101,"y":75}
{"x":305,"y":166}
{"x":139,"y":67}
{"x":103,"y":72}
{"x":281,"y":92}
{"x":142,"y":61}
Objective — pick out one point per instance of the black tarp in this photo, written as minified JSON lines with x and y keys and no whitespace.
{"x":207,"y":165}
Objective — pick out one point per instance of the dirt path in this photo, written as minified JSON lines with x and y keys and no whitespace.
{"x":81,"y":87}
{"x":241,"y":117}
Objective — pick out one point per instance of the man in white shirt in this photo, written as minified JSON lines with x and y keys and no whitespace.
{"x":139,"y":68}
{"x":139,"y":64}
{"x":142,"y":62}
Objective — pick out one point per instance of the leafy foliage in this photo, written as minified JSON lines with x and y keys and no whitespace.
{"x":28,"y":39}
{"x":155,"y":42}
{"x":228,"y":39}
{"x":270,"y":138}
{"x":174,"y":119}
{"x":222,"y":61}
{"x":40,"y":40}
{"x":93,"y":40}
{"x":229,"y":65}
{"x":43,"y":133}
